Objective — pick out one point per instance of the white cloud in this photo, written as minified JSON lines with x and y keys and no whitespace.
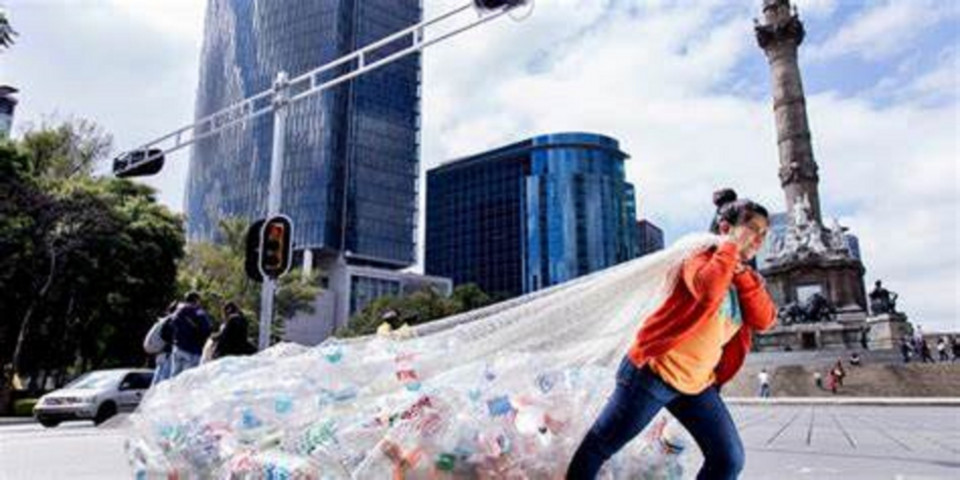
{"x":887,"y":29}
{"x":173,"y":18}
{"x":815,"y":8}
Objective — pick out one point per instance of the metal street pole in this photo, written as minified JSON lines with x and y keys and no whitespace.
{"x":274,"y":194}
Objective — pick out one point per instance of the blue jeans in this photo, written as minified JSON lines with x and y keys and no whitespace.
{"x":181,"y":360}
{"x":639,"y":395}
{"x":765,"y":391}
{"x":162,"y":372}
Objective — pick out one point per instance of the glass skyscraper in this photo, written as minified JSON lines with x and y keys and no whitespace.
{"x":352,"y":153}
{"x":531,"y":214}
{"x":649,"y":238}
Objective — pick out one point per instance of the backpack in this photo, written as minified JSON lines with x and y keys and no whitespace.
{"x":154,"y":343}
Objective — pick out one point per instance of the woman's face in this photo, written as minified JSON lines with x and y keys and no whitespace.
{"x":757,"y":226}
{"x":749,"y":235}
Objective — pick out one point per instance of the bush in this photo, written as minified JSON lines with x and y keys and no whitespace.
{"x":24,"y":407}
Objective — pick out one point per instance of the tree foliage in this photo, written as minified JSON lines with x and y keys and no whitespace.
{"x":86,"y":264}
{"x":420,"y":307}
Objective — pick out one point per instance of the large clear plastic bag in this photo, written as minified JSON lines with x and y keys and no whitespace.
{"x":503,"y":392}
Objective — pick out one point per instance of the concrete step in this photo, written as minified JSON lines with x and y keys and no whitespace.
{"x":877,"y":379}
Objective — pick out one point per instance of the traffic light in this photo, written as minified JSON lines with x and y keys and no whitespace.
{"x":275,"y":246}
{"x":252,"y":260}
{"x":138,"y":163}
{"x":497,"y":4}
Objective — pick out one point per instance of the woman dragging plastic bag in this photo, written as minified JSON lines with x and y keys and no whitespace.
{"x":692,"y":344}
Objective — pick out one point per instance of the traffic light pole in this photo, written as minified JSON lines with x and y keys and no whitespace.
{"x":281,"y":100}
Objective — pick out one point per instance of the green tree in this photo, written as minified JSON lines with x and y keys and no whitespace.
{"x":469,"y":296}
{"x":419,"y":307}
{"x":65,"y":150}
{"x":86,"y":264}
{"x":216,"y":271}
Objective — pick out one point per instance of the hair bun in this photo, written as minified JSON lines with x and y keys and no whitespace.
{"x":723,"y":197}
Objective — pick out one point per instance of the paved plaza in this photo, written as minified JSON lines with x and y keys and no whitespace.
{"x":833,"y":441}
{"x":782,"y":441}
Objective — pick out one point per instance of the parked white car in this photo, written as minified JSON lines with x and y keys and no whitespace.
{"x":96,"y":396}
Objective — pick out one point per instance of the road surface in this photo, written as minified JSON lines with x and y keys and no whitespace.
{"x":782,"y":442}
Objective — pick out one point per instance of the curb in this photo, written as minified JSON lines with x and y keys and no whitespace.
{"x":859,"y":401}
{"x":16,"y":420}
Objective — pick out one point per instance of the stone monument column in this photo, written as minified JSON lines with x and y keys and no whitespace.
{"x":812,"y":261}
{"x":779,"y":35}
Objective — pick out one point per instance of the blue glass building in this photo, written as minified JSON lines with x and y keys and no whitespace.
{"x":649,"y":238}
{"x":531,"y":214}
{"x":352,"y":153}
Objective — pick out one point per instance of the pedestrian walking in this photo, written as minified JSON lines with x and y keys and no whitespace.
{"x":840,"y":372}
{"x":905,"y":349}
{"x":191,"y":327}
{"x":764,"y":379}
{"x":942,"y":349}
{"x":925,"y":354}
{"x":955,"y":347}
{"x":818,"y":380}
{"x":159,"y":343}
{"x":834,"y":380}
{"x":232,"y":339}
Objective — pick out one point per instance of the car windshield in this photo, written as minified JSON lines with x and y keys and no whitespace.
{"x":95,"y":380}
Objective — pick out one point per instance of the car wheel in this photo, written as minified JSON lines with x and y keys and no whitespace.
{"x":107,"y":410}
{"x":48,"y":422}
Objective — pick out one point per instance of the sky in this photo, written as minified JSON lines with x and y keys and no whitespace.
{"x":681,"y":84}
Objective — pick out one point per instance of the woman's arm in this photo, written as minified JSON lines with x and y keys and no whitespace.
{"x":758,"y":308}
{"x":708,"y":275}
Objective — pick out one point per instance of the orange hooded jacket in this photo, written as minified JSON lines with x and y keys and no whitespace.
{"x":696,"y":298}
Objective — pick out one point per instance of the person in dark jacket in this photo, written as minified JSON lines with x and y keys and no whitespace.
{"x":232,"y":337}
{"x":191,"y":328}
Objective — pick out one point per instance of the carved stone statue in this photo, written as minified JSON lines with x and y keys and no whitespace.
{"x":790,"y":314}
{"x":800,"y":216}
{"x":818,"y":309}
{"x":882,"y":300}
{"x":837,"y":240}
{"x":815,"y":309}
{"x":813,"y":240}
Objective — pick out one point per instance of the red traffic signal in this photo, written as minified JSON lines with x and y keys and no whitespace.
{"x":276,"y":248}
